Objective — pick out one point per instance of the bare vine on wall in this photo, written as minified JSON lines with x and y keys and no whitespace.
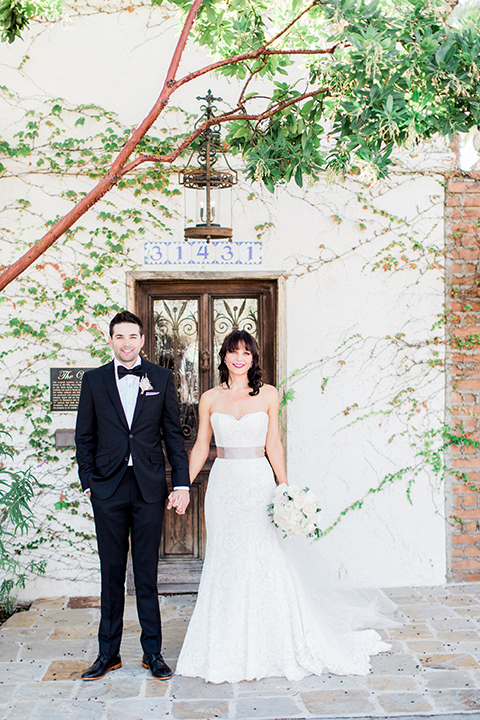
{"x":412,"y":366}
{"x":57,"y":314}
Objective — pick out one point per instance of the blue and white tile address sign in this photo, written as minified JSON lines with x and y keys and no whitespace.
{"x":198,"y":252}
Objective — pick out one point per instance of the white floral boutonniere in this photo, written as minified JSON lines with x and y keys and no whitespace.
{"x":145,"y":384}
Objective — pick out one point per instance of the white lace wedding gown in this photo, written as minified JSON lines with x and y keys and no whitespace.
{"x":252,"y":618}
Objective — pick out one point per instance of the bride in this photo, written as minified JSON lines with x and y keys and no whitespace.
{"x":255,"y":616}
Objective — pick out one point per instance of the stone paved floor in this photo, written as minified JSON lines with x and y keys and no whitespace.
{"x":433,"y":668}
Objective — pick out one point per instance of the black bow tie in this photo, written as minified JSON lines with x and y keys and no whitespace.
{"x":122,"y":371}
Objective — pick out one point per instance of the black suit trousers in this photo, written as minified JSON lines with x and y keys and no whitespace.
{"x":124,"y":514}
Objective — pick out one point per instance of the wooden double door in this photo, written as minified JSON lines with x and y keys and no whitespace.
{"x":185,"y":324}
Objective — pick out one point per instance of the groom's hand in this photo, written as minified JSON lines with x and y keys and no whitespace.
{"x":179,"y":500}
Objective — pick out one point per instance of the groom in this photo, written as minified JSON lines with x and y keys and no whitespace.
{"x":125,"y":408}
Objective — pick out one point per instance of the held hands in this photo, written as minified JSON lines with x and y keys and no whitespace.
{"x":179,"y":500}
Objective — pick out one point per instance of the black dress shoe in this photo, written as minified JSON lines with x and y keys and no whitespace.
{"x":158,"y":666}
{"x":102,"y":665}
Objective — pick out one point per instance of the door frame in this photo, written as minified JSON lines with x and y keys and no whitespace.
{"x":133,"y":278}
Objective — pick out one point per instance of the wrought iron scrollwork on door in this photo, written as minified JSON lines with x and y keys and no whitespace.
{"x":176,"y":348}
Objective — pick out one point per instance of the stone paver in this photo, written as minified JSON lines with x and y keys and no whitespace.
{"x":448,"y":660}
{"x":338,"y":702}
{"x":64,"y":670}
{"x":404,"y":702}
{"x":455,"y":700}
{"x":185,"y":688}
{"x":433,"y":669}
{"x":268,"y":708}
{"x":58,"y":603}
{"x":199,"y":709}
{"x":136,"y":709}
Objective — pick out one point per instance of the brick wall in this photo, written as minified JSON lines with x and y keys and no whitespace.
{"x":462,"y":219}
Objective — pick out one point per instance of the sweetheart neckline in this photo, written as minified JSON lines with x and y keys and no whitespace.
{"x":257,"y":412}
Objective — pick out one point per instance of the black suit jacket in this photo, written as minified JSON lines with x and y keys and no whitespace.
{"x":104,"y":441}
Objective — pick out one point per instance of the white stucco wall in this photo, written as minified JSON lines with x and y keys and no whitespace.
{"x":118,"y":61}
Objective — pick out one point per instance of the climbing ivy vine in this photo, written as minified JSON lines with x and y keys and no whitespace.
{"x":54,"y":316}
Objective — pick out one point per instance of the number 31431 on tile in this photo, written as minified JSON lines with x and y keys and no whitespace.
{"x":201,"y":253}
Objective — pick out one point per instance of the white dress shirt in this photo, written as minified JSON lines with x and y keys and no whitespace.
{"x":128,"y":390}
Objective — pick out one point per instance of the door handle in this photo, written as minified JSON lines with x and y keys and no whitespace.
{"x":205,"y":360}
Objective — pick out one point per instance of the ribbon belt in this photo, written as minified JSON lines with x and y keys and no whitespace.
{"x":240,"y":453}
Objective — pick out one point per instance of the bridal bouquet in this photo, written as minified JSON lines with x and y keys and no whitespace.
{"x":294,"y":510}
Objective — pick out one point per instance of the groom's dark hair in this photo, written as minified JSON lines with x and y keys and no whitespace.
{"x":125,"y":316}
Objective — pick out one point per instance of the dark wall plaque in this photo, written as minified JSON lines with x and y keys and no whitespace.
{"x":65,"y":384}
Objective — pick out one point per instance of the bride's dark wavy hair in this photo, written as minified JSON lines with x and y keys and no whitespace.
{"x":255,"y":372}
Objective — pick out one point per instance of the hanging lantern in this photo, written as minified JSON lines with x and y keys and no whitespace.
{"x":208,"y":180}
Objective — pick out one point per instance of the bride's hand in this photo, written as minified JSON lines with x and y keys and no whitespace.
{"x":179,"y":500}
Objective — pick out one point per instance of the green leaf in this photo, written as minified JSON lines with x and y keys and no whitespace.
{"x":269,"y":184}
{"x":299,"y":176}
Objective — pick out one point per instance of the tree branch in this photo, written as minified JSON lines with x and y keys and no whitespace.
{"x":115,"y":172}
{"x":241,"y":98}
{"x":219,"y":119}
{"x":252,"y":55}
{"x":294,"y":21}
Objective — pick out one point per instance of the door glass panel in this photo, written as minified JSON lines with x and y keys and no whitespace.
{"x":176,"y":348}
{"x":231,"y":314}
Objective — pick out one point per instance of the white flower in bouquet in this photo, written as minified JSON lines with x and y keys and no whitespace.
{"x":281,"y":519}
{"x":297,"y":516}
{"x":294,"y":510}
{"x":299,"y":501}
{"x":293,"y":490}
{"x":310,"y":508}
